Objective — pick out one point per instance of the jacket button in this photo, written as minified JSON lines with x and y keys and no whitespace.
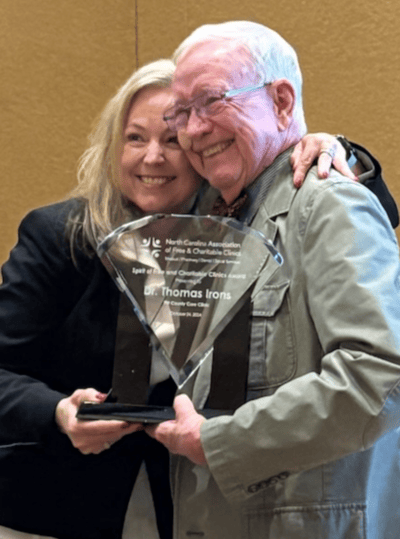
{"x":253,"y":488}
{"x":282,"y":476}
{"x":267,"y":482}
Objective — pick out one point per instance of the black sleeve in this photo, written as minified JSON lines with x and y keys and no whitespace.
{"x":40,"y":285}
{"x":374,"y":181}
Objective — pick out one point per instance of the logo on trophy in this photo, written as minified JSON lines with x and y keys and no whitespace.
{"x":187,"y":284}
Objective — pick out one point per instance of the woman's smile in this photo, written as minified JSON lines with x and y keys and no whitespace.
{"x":156,"y":180}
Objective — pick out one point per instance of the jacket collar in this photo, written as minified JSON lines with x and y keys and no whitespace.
{"x":280,"y":193}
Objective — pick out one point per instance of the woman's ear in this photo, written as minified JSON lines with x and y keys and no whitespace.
{"x":284,"y":99}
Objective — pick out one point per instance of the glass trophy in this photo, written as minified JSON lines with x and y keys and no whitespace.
{"x":186,"y":278}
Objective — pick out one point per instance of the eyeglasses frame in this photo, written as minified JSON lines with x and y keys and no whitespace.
{"x":169,"y":114}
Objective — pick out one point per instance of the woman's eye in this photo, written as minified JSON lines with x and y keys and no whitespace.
{"x":133,"y":137}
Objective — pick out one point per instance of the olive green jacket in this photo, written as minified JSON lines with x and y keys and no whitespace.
{"x":324,"y":374}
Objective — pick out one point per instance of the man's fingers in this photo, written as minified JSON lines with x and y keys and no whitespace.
{"x":182,"y":435}
{"x":183,"y":406}
{"x":164,"y":432}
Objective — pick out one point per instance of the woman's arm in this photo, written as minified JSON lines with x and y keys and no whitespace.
{"x":342,"y":154}
{"x":41,"y":294}
{"x":33,"y":303}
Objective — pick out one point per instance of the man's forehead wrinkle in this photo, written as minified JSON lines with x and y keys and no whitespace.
{"x":232,"y":55}
{"x":191,"y":83}
{"x":218,"y":65}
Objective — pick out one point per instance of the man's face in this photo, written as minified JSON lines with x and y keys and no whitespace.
{"x":230,"y":149}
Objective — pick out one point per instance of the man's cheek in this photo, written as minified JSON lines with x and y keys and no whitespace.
{"x":184,"y":140}
{"x":196,"y":162}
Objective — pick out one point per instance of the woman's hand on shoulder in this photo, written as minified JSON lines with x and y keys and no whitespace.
{"x":327,"y":149}
{"x":90,"y":436}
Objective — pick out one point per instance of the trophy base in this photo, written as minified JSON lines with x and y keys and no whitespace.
{"x":136,"y":413}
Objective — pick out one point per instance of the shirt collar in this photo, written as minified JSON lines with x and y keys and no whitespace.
{"x":259,"y":188}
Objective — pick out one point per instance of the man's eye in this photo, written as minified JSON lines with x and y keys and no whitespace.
{"x":173,"y":139}
{"x":211,"y":100}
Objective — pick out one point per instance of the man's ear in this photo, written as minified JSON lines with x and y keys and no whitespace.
{"x":284,"y":99}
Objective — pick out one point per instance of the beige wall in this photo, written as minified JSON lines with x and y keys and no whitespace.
{"x":60,"y":61}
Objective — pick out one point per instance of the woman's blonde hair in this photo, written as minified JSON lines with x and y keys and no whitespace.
{"x":98,"y":183}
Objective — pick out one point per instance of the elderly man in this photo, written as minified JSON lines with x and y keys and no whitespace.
{"x":324,"y":370}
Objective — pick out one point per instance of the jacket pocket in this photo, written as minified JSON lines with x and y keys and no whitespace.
{"x":273,"y":356}
{"x":341,"y":521}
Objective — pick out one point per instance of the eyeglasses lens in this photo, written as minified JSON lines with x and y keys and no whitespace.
{"x":206,"y":104}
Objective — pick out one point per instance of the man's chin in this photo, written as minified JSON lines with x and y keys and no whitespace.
{"x":229,"y":190}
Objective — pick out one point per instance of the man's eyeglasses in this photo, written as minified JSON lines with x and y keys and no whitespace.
{"x":207,"y":104}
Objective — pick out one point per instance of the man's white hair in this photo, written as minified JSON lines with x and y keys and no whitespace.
{"x":272,"y":57}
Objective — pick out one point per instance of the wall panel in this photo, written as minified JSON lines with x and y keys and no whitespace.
{"x":60,"y":62}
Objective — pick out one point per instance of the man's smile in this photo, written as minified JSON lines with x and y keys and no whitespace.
{"x":216,"y":148}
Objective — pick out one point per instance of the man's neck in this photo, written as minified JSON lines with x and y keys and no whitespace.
{"x":273,"y":153}
{"x":258,"y":189}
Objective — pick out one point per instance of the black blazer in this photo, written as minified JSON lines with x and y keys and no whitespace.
{"x":57,"y":334}
{"x":376,"y":184}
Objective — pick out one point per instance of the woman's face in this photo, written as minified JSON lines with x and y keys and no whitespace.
{"x":154,"y":172}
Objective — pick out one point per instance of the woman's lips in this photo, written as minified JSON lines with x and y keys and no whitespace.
{"x":156,"y":180}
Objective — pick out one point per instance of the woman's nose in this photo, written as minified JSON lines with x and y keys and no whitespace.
{"x":154,"y":154}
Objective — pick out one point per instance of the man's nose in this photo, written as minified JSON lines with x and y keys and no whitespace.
{"x":197,"y":124}
{"x":154,"y":154}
